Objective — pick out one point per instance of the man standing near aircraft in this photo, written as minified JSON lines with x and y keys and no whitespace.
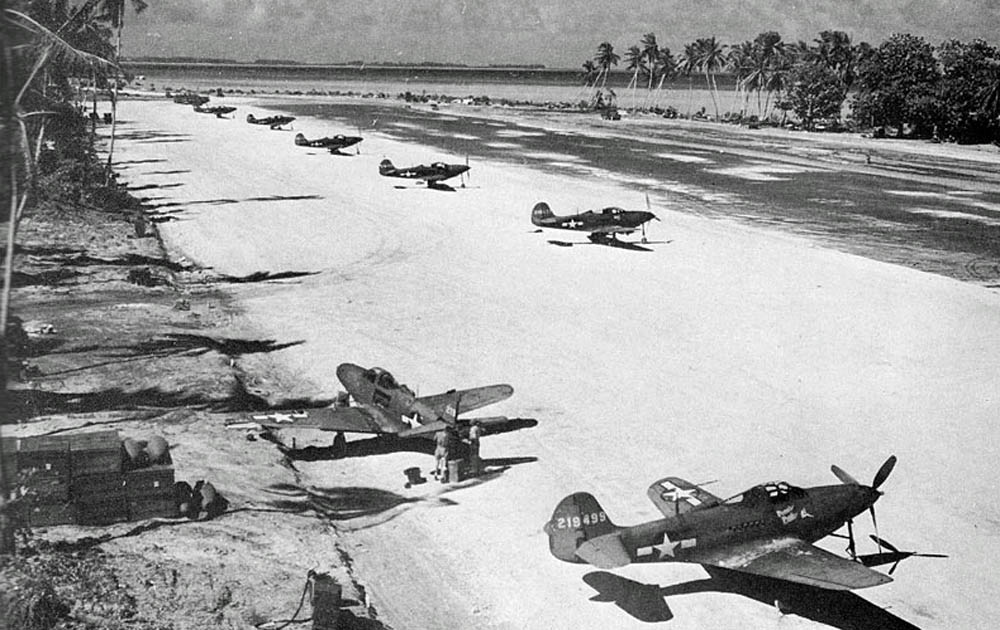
{"x":441,"y":453}
{"x":475,"y":432}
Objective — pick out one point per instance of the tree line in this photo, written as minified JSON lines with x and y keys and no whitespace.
{"x":905,"y":84}
{"x":51,"y":51}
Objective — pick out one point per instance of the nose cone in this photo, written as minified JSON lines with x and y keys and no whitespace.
{"x":649,"y":216}
{"x":461,"y":168}
{"x":350,"y":375}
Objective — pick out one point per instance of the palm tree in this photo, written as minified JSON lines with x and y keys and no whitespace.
{"x":606,"y":57}
{"x":634,"y":57}
{"x":740,"y":60}
{"x":833,"y":49}
{"x":666,"y":67}
{"x":651,"y":53}
{"x":590,"y":72}
{"x":30,"y":51}
{"x":687,"y":66}
{"x":114,"y":12}
{"x":711,"y":60}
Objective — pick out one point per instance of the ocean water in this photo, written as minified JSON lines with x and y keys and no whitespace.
{"x":687,"y":94}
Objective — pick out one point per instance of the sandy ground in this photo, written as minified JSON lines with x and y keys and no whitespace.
{"x":728,"y":353}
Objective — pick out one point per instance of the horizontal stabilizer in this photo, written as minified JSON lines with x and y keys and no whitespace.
{"x":605,"y":552}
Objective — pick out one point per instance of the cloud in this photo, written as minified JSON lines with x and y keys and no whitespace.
{"x":553,"y":32}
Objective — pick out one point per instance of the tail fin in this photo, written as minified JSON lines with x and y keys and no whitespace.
{"x":577,"y":519}
{"x":251,"y":118}
{"x":541,"y":213}
{"x":385,"y":167}
{"x":300,"y":140}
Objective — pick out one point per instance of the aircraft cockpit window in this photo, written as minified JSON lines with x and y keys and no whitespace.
{"x":439,"y":166}
{"x":385,"y":381}
{"x":780,"y":492}
{"x":753,"y":496}
{"x":371,"y":374}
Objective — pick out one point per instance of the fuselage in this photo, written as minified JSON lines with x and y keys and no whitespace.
{"x":611,"y":219}
{"x":807,"y":514}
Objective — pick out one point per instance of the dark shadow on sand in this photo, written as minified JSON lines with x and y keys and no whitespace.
{"x":220,"y":202}
{"x":386,"y":444}
{"x":264,"y":276}
{"x":336,"y":503}
{"x":635,"y":247}
{"x":174,"y":344}
{"x":840,"y":609}
{"x":22,"y":404}
{"x":154,"y":186}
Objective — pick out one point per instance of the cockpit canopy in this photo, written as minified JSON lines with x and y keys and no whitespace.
{"x":440,"y":166}
{"x":382,"y":378}
{"x":612,"y":210}
{"x":772,"y":492}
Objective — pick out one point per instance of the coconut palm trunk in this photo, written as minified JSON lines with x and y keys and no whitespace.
{"x":114,"y":95}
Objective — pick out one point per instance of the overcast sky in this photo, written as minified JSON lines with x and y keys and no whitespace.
{"x":556,"y":33}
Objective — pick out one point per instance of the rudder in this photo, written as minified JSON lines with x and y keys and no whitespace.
{"x":300,"y":139}
{"x":577,"y":519}
{"x":385,"y":167}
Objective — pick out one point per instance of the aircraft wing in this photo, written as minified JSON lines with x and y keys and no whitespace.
{"x":791,"y":559}
{"x":674,"y":496}
{"x":469,"y":399}
{"x":343,"y":419}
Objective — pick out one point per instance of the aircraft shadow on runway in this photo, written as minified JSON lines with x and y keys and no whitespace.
{"x":840,"y":609}
{"x":628,"y":245}
{"x":379,"y":445}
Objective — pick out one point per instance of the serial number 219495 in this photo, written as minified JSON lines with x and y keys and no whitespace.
{"x":593,"y":518}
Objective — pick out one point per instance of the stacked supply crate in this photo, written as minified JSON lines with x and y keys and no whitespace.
{"x":87,"y":479}
{"x":43,"y":468}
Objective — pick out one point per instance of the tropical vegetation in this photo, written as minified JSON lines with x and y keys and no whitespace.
{"x":905,"y":86}
{"x":51,"y":52}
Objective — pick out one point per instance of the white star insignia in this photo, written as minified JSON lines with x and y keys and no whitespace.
{"x":666,"y":548}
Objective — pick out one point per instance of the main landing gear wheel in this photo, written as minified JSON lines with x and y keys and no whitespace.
{"x":339,"y":446}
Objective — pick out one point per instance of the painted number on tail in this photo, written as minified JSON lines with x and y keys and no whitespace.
{"x":575,"y":522}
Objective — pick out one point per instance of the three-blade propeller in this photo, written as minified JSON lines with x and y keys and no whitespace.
{"x":883,"y":473}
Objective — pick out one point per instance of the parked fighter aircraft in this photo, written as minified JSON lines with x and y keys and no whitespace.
{"x":334,"y":144}
{"x":218,"y":110}
{"x":767,"y":530}
{"x":433,"y":174}
{"x":383,"y":406}
{"x":604,"y":225}
{"x":274,"y":122}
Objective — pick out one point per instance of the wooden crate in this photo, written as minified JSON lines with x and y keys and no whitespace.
{"x":43,"y":457}
{"x":102,"y":512}
{"x":153,"y":506}
{"x":50,"y":514}
{"x":151,"y":481}
{"x":97,"y":487}
{"x":96,"y":452}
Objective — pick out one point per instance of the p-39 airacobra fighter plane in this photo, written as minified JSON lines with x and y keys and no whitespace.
{"x":769,"y":530}
{"x":219,"y":110}
{"x":385,"y":407}
{"x":274,"y":122}
{"x":334,"y":143}
{"x":433,"y":174}
{"x":604,"y":225}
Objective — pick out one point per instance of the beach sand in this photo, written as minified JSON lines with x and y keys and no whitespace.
{"x":728,"y":353}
